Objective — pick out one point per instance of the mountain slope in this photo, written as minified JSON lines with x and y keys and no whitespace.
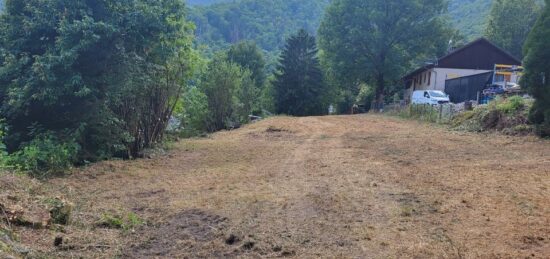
{"x":470,"y":16}
{"x":267,"y":22}
{"x":206,"y":2}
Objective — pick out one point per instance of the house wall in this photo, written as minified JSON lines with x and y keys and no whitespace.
{"x":437,"y":77}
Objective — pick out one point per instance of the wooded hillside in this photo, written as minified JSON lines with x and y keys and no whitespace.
{"x":213,"y":18}
{"x":470,"y":16}
{"x":205,"y":2}
{"x":223,"y":22}
{"x":267,"y":22}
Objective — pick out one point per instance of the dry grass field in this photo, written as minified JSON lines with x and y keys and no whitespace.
{"x":318,"y":187}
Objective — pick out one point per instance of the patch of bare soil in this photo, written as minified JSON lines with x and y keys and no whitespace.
{"x":336,"y":187}
{"x":186,"y":232}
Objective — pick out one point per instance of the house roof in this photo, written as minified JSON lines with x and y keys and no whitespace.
{"x":480,"y":54}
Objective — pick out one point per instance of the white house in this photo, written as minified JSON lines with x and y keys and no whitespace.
{"x":477,"y":57}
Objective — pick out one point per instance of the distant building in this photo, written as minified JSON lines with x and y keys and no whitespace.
{"x":478,"y":57}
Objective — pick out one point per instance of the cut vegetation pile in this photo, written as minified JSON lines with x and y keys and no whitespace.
{"x":508,"y":116}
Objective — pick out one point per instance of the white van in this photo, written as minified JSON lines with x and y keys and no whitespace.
{"x":431,"y":97}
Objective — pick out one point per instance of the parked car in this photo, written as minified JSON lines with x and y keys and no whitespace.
{"x":431,"y":97}
{"x":494,"y":89}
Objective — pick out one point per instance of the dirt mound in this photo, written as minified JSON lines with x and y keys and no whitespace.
{"x":506,"y":116}
{"x":181,"y":233}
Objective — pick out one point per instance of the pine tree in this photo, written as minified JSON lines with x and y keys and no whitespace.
{"x":537,"y":77}
{"x":299,"y":86}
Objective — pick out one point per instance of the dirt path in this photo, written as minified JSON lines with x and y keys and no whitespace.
{"x":336,"y":187}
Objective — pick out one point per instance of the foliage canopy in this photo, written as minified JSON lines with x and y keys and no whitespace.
{"x":537,"y":70}
{"x":104,"y":75}
{"x":377,"y":41}
{"x":510,"y":21}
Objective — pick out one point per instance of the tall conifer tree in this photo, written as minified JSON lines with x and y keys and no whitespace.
{"x":299,"y":83}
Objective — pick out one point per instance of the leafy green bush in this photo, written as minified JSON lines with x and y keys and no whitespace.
{"x":230,"y":94}
{"x":195,"y":112}
{"x":365,"y":95}
{"x":510,"y":105}
{"x":45,"y":154}
{"x":114,"y":70}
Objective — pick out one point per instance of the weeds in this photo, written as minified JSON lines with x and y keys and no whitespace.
{"x":508,"y":116}
{"x":421,"y":112}
{"x":60,"y":211}
{"x":45,"y":155}
{"x":129,"y":222}
{"x":510,"y":105}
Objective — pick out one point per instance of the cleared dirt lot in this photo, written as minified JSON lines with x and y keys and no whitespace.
{"x":340,"y":187}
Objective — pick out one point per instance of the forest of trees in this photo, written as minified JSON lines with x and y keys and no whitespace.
{"x":266,"y":22}
{"x":82,"y":81}
{"x":510,"y":21}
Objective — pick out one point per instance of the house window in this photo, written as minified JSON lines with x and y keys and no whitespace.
{"x":429,"y":78}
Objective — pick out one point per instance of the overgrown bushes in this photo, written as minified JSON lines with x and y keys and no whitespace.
{"x":45,"y":154}
{"x":505,"y":115}
{"x":109,"y":72}
{"x":231,"y":86}
{"x":509,"y":116}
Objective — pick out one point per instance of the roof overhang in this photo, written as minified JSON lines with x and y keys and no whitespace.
{"x":412,"y":74}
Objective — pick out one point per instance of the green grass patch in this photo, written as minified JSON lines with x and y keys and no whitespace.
{"x":126,"y":222}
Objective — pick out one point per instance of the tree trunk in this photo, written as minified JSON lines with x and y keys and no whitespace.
{"x":379,"y":98}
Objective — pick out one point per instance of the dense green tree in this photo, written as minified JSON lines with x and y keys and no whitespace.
{"x":228,"y":91}
{"x":247,"y":55}
{"x":537,"y":70}
{"x":299,"y":86}
{"x":104,"y":74}
{"x":377,"y":41}
{"x":195,"y":111}
{"x":510,"y":21}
